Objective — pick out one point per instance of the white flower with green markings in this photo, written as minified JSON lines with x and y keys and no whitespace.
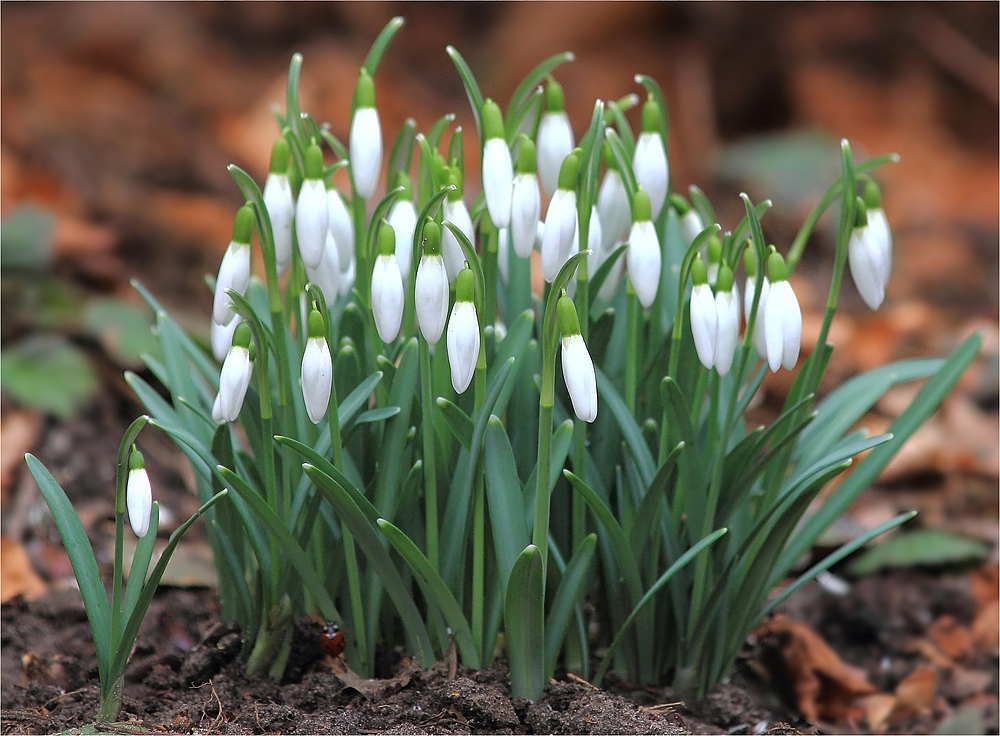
{"x":431,"y":287}
{"x":311,"y":209}
{"x":280,"y":204}
{"x":555,"y":137}
{"x":234,"y":272}
{"x":782,"y":318}
{"x":138,"y":494}
{"x":649,"y":162}
{"x":463,"y":332}
{"x":577,"y":365}
{"x":234,"y":380}
{"x":365,"y":138}
{"x":526,"y":201}
{"x":317,"y":369}
{"x":704,"y":317}
{"x":387,"y":286}
{"x":560,"y":220}
{"x":644,"y":260}
{"x":498,"y":169}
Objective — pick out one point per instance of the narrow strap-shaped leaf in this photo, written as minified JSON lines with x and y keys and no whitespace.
{"x":381,"y":43}
{"x":647,"y":516}
{"x":503,"y":495}
{"x":624,"y":161}
{"x":458,"y":422}
{"x":601,"y":274}
{"x":567,"y":595}
{"x":513,"y":345}
{"x":519,"y":101}
{"x":524,"y":625}
{"x":616,"y":115}
{"x":402,"y":150}
{"x":472,"y":90}
{"x":140,"y":563}
{"x":702,"y":204}
{"x":390,"y":469}
{"x":202,"y":362}
{"x":628,"y":427}
{"x":435,"y":590}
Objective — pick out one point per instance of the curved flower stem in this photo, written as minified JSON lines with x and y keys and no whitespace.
{"x":479,"y":516}
{"x":430,"y":469}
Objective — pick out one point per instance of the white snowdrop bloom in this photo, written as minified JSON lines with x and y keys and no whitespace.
{"x":387,"y":287}
{"x":234,"y":380}
{"x":649,"y":162}
{"x":340,"y":226}
{"x":757,"y":337}
{"x":526,"y":202}
{"x":728,"y":312}
{"x":704,"y":317}
{"x":613,"y":206}
{"x":403,"y":221}
{"x":365,"y":138}
{"x":498,"y":169}
{"x":644,"y":259}
{"x":347,"y":278}
{"x":217,"y":409}
{"x":463,"y":333}
{"x":326,"y":275}
{"x":280,"y":204}
{"x":691,"y":226}
{"x":714,"y":251}
{"x":879,"y":225}
{"x":431,"y":287}
{"x":234,"y":271}
{"x":317,"y":369}
{"x":868,"y":268}
{"x":311,"y":210}
{"x":503,"y":253}
{"x":222,"y":337}
{"x":555,"y":137}
{"x":577,"y":365}
{"x":782,"y":318}
{"x":455,"y":211}
{"x":138,"y":494}
{"x":560,"y":220}
{"x":610,"y":285}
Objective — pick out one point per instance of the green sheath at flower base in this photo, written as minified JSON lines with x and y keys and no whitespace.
{"x":650,"y":117}
{"x":554,"y":98}
{"x":569,"y":172}
{"x":776,"y":270}
{"x":860,"y":213}
{"x":243,"y":225}
{"x":641,"y":208}
{"x":465,"y":285}
{"x":136,"y":461}
{"x":609,"y":157}
{"x":526,"y":163}
{"x":364,"y":93}
{"x":699,"y":273}
{"x":432,"y":239}
{"x":872,"y":195}
{"x":569,"y":322}
{"x":386,"y":240}
{"x":750,"y":262}
{"x":241,"y":337}
{"x":725,"y":282}
{"x":680,"y":205}
{"x":314,"y":161}
{"x":439,"y":165}
{"x":714,"y":250}
{"x":316,"y":326}
{"x":279,"y":156}
{"x":492,"y":120}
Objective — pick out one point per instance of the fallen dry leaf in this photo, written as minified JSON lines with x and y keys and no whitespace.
{"x":17,"y":576}
{"x":951,"y":637}
{"x":18,"y":434}
{"x":876,"y":709}
{"x":914,"y":694}
{"x":986,"y":627}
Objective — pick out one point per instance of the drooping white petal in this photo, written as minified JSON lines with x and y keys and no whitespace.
{"x":222,"y":337}
{"x":317,"y":378}
{"x":347,"y":278}
{"x":234,"y":273}
{"x":431,"y":297}
{"x":454,"y":257}
{"x":758,"y":339}
{"x":581,"y":381}
{"x":503,"y":253}
{"x":644,"y":261}
{"x":311,"y":221}
{"x":463,"y":344}
{"x":366,"y":150}
{"x":280,"y":207}
{"x":610,"y":284}
{"x":217,"y":409}
{"x":690,"y":225}
{"x":613,"y":206}
{"x":554,"y":143}
{"x":341,"y":227}
{"x":557,"y":238}
{"x":882,"y":235}
{"x":782,"y":326}
{"x":403,"y":221}
{"x":727,"y":310}
{"x":866,"y":255}
{"x":387,"y":297}
{"x":704,"y":323}
{"x":526,"y":208}
{"x":649,"y":162}
{"x":234,"y":380}
{"x":498,"y":180}
{"x":139,"y":500}
{"x":326,"y":274}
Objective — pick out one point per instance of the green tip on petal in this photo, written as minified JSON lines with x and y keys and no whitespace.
{"x":364,"y":93}
{"x":432,"y":238}
{"x":699,"y":272}
{"x":314,"y":161}
{"x":315,"y":324}
{"x":679,"y":204}
{"x":526,"y":163}
{"x":776,"y":270}
{"x":642,"y":210}
{"x":725,"y":280}
{"x":279,"y":156}
{"x":750,"y":262}
{"x":136,"y":461}
{"x":860,"y":213}
{"x":492,"y":120}
{"x":569,"y":172}
{"x":609,"y":156}
{"x":650,"y":117}
{"x":569,"y":322}
{"x":465,"y":286}
{"x":241,"y":336}
{"x":386,"y":239}
{"x":554,"y":99}
{"x":714,"y":249}
{"x":872,"y":195}
{"x":294,"y":175}
{"x":243,"y":224}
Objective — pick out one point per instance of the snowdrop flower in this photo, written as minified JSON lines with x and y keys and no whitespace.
{"x":340,"y":226}
{"x":878,"y":222}
{"x":610,"y":285}
{"x":431,"y":288}
{"x":138,"y":494}
{"x":750,"y":265}
{"x":222,"y":337}
{"x":463,"y":332}
{"x":714,"y":252}
{"x":870,"y":248}
{"x":782,"y":318}
{"x":555,"y":137}
{"x":649,"y":162}
{"x":365,"y":138}
{"x":688,"y":219}
{"x":727,"y":310}
{"x":577,"y":365}
{"x":311,"y":209}
{"x":317,"y":369}
{"x":347,"y":278}
{"x":234,"y":380}
{"x":326,"y":274}
{"x":234,"y":271}
{"x":503,"y":253}
{"x":387,"y":286}
{"x":613,"y":203}
{"x":643,"y":255}
{"x":704,"y":317}
{"x":560,"y":220}
{"x":403,"y":221}
{"x":455,"y":211}
{"x":526,"y":201}
{"x":595,"y":236}
{"x":498,"y":169}
{"x":280,"y":204}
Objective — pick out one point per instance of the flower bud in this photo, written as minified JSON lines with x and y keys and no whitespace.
{"x":431,"y":287}
{"x":455,"y":211}
{"x":463,"y":332}
{"x":577,"y":365}
{"x":234,"y":271}
{"x":498,"y":170}
{"x":311,"y":209}
{"x":870,"y":248}
{"x":649,"y":162}
{"x":704,"y":317}
{"x":280,"y":204}
{"x":387,"y":287}
{"x":365,"y":138}
{"x":403,"y":221}
{"x":560,"y":220}
{"x":555,"y":137}
{"x":526,"y":202}
{"x":688,"y":219}
{"x":782,"y":318}
{"x":317,"y":369}
{"x":138,"y":494}
{"x":222,"y":337}
{"x":644,"y":259}
{"x":340,"y":227}
{"x":727,"y":310}
{"x":613,"y":204}
{"x":327,"y":275}
{"x":234,"y":380}
{"x":749,"y":263}
{"x":714,"y":252}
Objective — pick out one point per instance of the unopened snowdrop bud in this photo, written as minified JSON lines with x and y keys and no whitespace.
{"x":431,"y":287}
{"x":340,"y":226}
{"x":311,"y":209}
{"x":222,"y":337}
{"x":704,"y":318}
{"x":612,"y":203}
{"x":387,"y":286}
{"x":577,"y":365}
{"x":463,"y":332}
{"x":727,"y":310}
{"x":327,"y":275}
{"x":870,"y":253}
{"x":649,"y":162}
{"x":366,"y":138}
{"x":317,"y":369}
{"x":455,"y":211}
{"x":498,"y":169}
{"x":526,"y":201}
{"x":234,"y":380}
{"x":555,"y":137}
{"x":750,"y":264}
{"x":643,"y":256}
{"x":782,"y":318}
{"x":688,"y":219}
{"x":403,"y":221}
{"x":280,"y":203}
{"x":560,"y":220}
{"x":138,"y":494}
{"x":714,"y":252}
{"x":878,"y":222}
{"x":234,"y":271}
